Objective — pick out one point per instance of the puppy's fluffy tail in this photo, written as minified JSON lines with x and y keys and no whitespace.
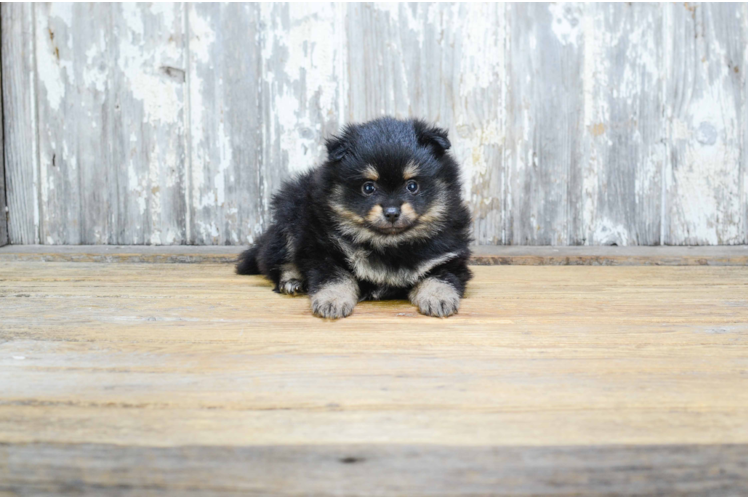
{"x":248,"y":262}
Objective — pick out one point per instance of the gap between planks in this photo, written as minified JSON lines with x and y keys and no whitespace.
{"x":736,"y":255}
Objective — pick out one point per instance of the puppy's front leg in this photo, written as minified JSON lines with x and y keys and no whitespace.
{"x":435,"y":296}
{"x":336,"y":296}
{"x":439,"y":293}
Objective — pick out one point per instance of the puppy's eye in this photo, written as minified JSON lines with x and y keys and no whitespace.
{"x":368,"y":188}
{"x":412,"y":186}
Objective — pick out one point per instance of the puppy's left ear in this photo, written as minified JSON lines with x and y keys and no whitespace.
{"x":337,"y":147}
{"x":432,"y":136}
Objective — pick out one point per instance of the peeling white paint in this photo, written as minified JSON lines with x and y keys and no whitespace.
{"x":161,"y":103}
{"x":704,"y":190}
{"x":55,"y":71}
{"x":309,"y":67}
{"x":311,"y":80}
{"x":202,"y":37}
{"x":482,"y":60}
{"x":565,"y":22}
{"x":136,"y":187}
{"x":132,"y":15}
{"x":95,"y":72}
{"x":155,"y":168}
{"x":596,"y":115}
{"x":62,"y":11}
{"x":607,"y":232}
{"x":225,"y":155}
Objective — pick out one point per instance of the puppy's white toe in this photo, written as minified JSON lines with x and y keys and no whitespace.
{"x":434,"y":297}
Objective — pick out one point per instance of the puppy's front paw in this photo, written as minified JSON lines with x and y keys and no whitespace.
{"x":291,"y":287}
{"x":434,"y":297}
{"x":332,"y":308}
{"x":335,"y":300}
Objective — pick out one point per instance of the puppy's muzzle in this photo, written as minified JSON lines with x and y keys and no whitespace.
{"x":391,"y":214}
{"x":391,"y":219}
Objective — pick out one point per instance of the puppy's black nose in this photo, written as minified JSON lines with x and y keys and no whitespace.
{"x":392,"y":213}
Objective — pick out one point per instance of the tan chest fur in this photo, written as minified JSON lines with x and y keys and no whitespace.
{"x":368,"y":266}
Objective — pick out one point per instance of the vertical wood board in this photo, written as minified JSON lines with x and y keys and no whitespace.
{"x":624,"y":133}
{"x":19,"y":122}
{"x":705,"y":94}
{"x":112,"y":145}
{"x":3,"y":199}
{"x":225,"y":166}
{"x":304,"y":81}
{"x":544,"y":126}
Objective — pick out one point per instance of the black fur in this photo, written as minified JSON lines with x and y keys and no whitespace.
{"x":248,"y":262}
{"x":323,"y":218}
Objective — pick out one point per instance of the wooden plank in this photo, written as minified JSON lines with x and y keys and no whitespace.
{"x":304,"y":88}
{"x":744,"y":126}
{"x":19,"y":122}
{"x":733,"y":255}
{"x":112,"y":145}
{"x":355,"y":470}
{"x":544,"y":125}
{"x":705,"y":47}
{"x":623,"y":148}
{"x":226,"y":168}
{"x":551,"y":380}
{"x":149,"y":132}
{"x":3,"y":199}
{"x":444,"y":63}
{"x":265,"y":91}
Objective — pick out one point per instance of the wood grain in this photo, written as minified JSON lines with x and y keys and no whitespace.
{"x":744,"y":127}
{"x":19,"y":122}
{"x":225,"y":169}
{"x":355,"y":470}
{"x":303,"y":89}
{"x":3,"y":199}
{"x":544,"y":127}
{"x":574,"y":124}
{"x":618,"y":379}
{"x":112,"y":144}
{"x":705,"y":45}
{"x":623,"y":141}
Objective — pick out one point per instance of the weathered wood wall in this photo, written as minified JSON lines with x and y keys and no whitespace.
{"x":3,"y":204}
{"x":576,"y":124}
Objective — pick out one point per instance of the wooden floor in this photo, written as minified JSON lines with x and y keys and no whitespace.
{"x":187,"y":379}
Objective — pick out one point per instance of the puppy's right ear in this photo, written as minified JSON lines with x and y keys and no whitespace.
{"x":432,"y":136}
{"x":337,"y":148}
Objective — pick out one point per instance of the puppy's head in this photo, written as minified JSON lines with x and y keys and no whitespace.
{"x":392,"y":181}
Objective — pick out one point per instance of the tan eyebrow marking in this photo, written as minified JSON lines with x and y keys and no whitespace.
{"x":411,"y":170}
{"x":371,"y":173}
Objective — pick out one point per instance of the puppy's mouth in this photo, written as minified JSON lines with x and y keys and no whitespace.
{"x":392,"y":228}
{"x":406,"y":220}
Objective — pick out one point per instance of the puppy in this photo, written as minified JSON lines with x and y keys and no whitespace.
{"x":382,"y":218}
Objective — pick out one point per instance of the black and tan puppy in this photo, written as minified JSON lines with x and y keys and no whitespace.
{"x":382,"y":218}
